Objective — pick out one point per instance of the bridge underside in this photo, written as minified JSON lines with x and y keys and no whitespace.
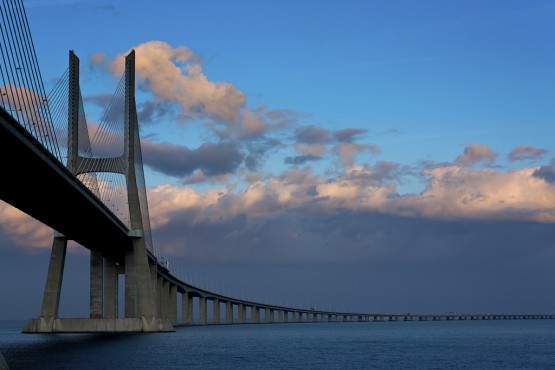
{"x":30,"y":194}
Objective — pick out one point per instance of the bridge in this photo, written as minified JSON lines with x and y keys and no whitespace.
{"x":97,"y":197}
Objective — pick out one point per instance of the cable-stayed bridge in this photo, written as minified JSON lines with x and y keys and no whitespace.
{"x":92,"y":190}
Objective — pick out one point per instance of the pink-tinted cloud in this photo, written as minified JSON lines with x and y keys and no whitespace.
{"x":476,"y":153}
{"x":23,"y":229}
{"x":452,"y":193}
{"x":524,"y":152}
{"x":348,"y":152}
{"x":175,"y":74}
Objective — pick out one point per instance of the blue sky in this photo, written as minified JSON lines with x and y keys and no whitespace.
{"x":320,"y":144}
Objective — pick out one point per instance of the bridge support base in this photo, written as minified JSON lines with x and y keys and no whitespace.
{"x":84,"y":325}
{"x":3,"y":363}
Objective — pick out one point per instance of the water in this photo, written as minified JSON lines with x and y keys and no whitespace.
{"x":521,"y":344}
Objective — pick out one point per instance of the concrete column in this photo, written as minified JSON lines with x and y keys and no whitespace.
{"x":166,"y":300}
{"x":202,"y":310}
{"x":190,"y":309}
{"x":280,"y":315}
{"x":268,"y":315}
{"x":145,"y":298}
{"x":255,"y":313}
{"x":145,"y":306}
{"x":110,"y":289}
{"x":185,"y":308}
{"x":3,"y":363}
{"x":216,"y":310}
{"x":295,"y":316}
{"x":154,"y":284}
{"x":131,"y":304}
{"x":228,"y":313}
{"x":286,"y":316}
{"x":53,"y":287}
{"x":96,"y":285}
{"x":160,"y":296}
{"x":173,"y":304}
{"x":241,"y":313}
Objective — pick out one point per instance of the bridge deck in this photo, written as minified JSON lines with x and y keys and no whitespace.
{"x":43,"y":187}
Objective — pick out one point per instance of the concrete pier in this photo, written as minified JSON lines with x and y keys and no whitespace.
{"x":3,"y":363}
{"x":84,"y":325}
{"x":53,"y":287}
{"x":216,"y":310}
{"x":110,"y":300}
{"x":96,"y":285}
{"x":202,"y":311}
{"x":173,"y":304}
{"x":186,"y":309}
{"x":255,"y":313}
{"x":228,"y":313}
{"x":241,"y":313}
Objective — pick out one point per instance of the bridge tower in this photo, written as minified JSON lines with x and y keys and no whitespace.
{"x":138,"y":267}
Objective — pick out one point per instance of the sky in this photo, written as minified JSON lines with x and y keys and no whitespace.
{"x":363,"y":155}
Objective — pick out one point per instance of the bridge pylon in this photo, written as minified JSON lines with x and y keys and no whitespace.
{"x":136,"y":264}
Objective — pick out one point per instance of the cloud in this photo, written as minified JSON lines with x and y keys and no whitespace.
{"x":348,"y":152}
{"x":23,"y":229}
{"x":178,"y":161}
{"x":312,"y":135}
{"x":455,"y":192}
{"x":476,"y":153}
{"x":301,"y":159}
{"x":176,"y":75}
{"x":175,"y":78}
{"x":255,"y":123}
{"x":546,"y":173}
{"x":312,"y":141}
{"x":28,"y":107}
{"x":522,"y":153}
{"x":348,"y":135}
{"x":300,"y":216}
{"x":257,"y":150}
{"x":452,"y":193}
{"x":311,"y":150}
{"x":98,"y":59}
{"x":154,"y":111}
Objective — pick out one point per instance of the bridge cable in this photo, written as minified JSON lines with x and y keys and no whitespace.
{"x":22,"y":91}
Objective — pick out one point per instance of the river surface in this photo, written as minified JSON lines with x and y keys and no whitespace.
{"x":518,"y":344}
